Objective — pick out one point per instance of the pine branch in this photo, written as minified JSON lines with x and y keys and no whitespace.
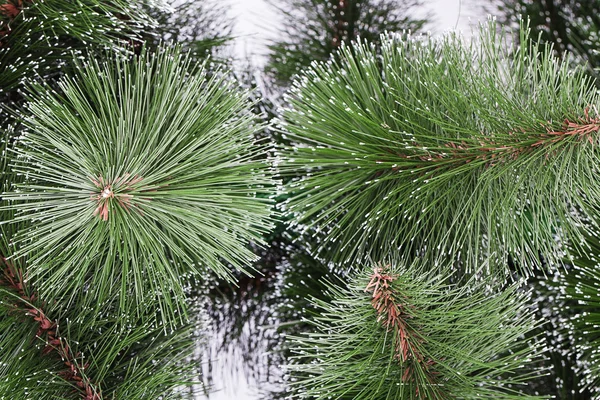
{"x":37,"y":38}
{"x":385,"y":137}
{"x":391,"y":314}
{"x":415,"y":337}
{"x":47,"y":330}
{"x":139,"y":174}
{"x":490,"y":153}
{"x":87,"y":353}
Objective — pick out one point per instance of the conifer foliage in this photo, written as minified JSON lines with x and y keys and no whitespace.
{"x":436,"y":179}
{"x":38,"y":37}
{"x":52,"y":350}
{"x":571,"y":26}
{"x":127,"y":171}
{"x":315,"y":29}
{"x":138,"y":173}
{"x":473,"y":163}
{"x":581,"y":287}
{"x":403,"y":333}
{"x":441,"y":149}
{"x":200,"y":27}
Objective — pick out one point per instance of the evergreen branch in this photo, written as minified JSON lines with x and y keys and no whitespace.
{"x":447,"y":341}
{"x":141,"y":172}
{"x":384,"y":137}
{"x":127,"y":357}
{"x":48,"y":329}
{"x":490,"y":153}
{"x":38,"y":37}
{"x":391,"y":314}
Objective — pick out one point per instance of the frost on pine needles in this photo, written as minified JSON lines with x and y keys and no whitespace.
{"x":398,"y":332}
{"x":37,"y":38}
{"x":580,"y":292}
{"x":440,"y":148}
{"x":138,"y":173}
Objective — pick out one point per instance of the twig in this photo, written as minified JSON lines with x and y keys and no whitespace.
{"x":391,"y":313}
{"x":13,"y":278}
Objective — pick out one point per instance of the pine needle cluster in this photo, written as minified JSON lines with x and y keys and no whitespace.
{"x":49,"y":350}
{"x":137,"y":174}
{"x":478,"y":152}
{"x":124,"y":176}
{"x":134,"y":172}
{"x":403,"y":333}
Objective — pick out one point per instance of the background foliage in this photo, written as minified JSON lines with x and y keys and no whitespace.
{"x":314,"y":29}
{"x":571,"y":26}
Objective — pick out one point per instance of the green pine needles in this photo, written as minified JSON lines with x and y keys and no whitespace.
{"x":49,"y":351}
{"x":402,"y":333}
{"x":582,"y":286}
{"x":436,"y":148}
{"x":139,"y":173}
{"x":38,"y":37}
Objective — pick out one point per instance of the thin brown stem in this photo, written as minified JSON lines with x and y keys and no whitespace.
{"x":110,"y":191}
{"x":393,"y":315}
{"x":492,"y":153}
{"x":27,"y":303}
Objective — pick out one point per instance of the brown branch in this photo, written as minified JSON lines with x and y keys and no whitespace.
{"x":8,"y":12}
{"x":11,"y":9}
{"x":13,"y":279}
{"x":339,"y":27}
{"x":493,"y":153}
{"x":394,"y":317}
{"x":391,"y":313}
